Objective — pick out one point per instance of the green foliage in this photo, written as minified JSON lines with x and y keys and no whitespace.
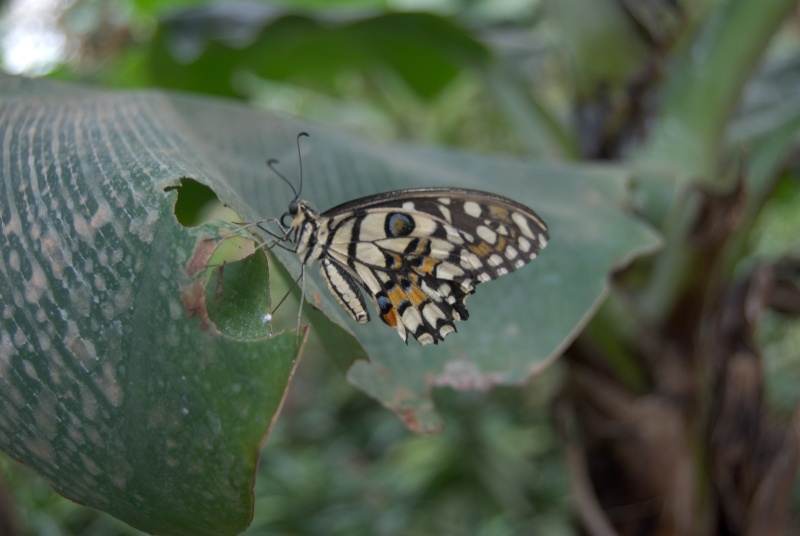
{"x":424,"y":51}
{"x":110,"y":389}
{"x":236,"y":296}
{"x":697,"y":105}
{"x":376,"y":479}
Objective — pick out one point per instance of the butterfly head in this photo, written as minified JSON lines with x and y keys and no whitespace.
{"x":296,"y":215}
{"x":291,"y":212}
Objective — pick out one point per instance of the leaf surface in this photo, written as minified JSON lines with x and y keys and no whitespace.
{"x":114,"y":390}
{"x":114,"y":385}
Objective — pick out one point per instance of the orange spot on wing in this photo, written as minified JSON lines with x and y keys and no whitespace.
{"x":390,"y":317}
{"x":421,"y":246}
{"x":482,"y":250}
{"x":428,"y":265}
{"x":499,"y":213}
{"x":501,"y":243}
{"x":416,"y":296}
{"x":396,"y":295}
{"x":397,"y":261}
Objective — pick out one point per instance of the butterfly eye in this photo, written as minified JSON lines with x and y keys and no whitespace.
{"x":291,"y":213}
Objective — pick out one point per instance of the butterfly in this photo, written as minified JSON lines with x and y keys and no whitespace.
{"x":417,"y":253}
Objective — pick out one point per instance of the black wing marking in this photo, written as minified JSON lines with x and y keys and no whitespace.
{"x":419,"y":253}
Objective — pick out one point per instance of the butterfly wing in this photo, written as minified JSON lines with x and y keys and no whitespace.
{"x":419,"y":253}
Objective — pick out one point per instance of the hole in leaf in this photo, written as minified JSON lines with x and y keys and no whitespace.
{"x":235,"y":271}
{"x":198,"y":204}
{"x":239,"y":287}
{"x":237,"y":294}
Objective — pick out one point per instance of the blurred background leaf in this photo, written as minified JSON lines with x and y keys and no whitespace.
{"x":422,"y":51}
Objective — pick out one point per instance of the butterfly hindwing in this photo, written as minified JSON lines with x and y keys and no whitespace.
{"x":345,"y":289}
{"x":418,"y":253}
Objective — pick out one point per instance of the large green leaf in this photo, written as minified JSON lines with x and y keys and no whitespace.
{"x":518,"y":323}
{"x":108,"y":389}
{"x":123,"y":402}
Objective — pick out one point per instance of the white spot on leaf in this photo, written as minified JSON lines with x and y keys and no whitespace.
{"x":35,"y":286}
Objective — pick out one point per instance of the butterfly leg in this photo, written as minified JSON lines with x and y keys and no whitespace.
{"x":302,"y":280}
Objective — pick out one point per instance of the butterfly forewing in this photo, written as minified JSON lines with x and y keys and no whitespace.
{"x":418,"y":253}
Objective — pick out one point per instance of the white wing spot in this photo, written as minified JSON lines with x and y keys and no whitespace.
{"x":455,"y":239}
{"x":502,"y":229}
{"x":501,"y":271}
{"x":472,"y":208}
{"x":440,"y":248}
{"x":511,"y":253}
{"x":487,"y":234}
{"x":469,"y":260}
{"x":519,"y":264}
{"x":369,"y":254}
{"x":448,"y":270}
{"x":484,"y":277}
{"x":368,"y":279}
{"x":408,"y":205}
{"x":432,"y":313}
{"x":445,"y":291}
{"x":446,"y":213}
{"x":444,"y":200}
{"x":542,"y":241}
{"x":524,"y":244}
{"x":495,"y":260}
{"x":398,"y":245}
{"x":522,"y":223}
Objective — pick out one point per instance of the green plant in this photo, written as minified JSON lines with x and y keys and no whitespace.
{"x":662,"y":354}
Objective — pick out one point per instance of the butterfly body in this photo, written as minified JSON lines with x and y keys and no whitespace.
{"x":418,"y":253}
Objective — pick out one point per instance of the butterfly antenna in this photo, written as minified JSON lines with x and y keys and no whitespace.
{"x":300,"y":159}
{"x":273,"y":161}
{"x":271,"y":165}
